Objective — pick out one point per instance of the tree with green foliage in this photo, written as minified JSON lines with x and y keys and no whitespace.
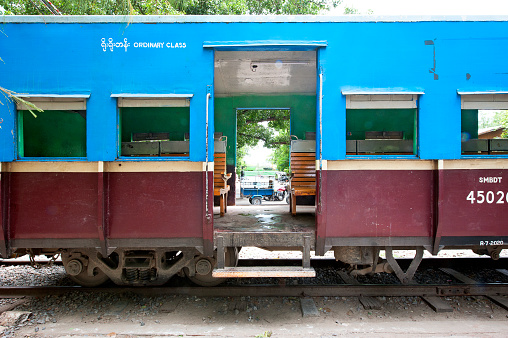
{"x":269,"y":126}
{"x":501,"y":119}
{"x":494,"y":119}
{"x":169,"y":7}
{"x":293,"y":7}
{"x":280,"y":155}
{"x":11,"y":96}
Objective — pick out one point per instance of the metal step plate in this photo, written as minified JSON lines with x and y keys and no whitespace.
{"x":264,"y":271}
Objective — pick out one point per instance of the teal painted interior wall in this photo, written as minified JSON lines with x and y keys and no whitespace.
{"x":358,"y":121}
{"x":53,"y":133}
{"x":469,"y":123}
{"x":172,"y":120}
{"x":302,"y":109}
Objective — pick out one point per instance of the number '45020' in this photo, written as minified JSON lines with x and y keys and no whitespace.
{"x":489,"y":197}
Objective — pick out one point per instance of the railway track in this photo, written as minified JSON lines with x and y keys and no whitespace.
{"x":346,"y":290}
{"x":367,"y":294}
{"x":458,"y":284}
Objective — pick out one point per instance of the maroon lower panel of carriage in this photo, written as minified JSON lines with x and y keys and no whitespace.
{"x":378,"y":203}
{"x":155,"y":205}
{"x":52,"y":205}
{"x":136,"y":205}
{"x":473,"y":205}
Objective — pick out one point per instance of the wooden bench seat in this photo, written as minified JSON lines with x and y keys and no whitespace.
{"x":220,"y":179}
{"x":303,"y":177}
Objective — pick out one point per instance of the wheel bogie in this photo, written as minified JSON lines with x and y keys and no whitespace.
{"x":78,"y":268}
{"x":142,"y":267}
{"x":203,"y":268}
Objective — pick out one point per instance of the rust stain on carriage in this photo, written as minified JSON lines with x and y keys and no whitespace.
{"x":433,"y":69}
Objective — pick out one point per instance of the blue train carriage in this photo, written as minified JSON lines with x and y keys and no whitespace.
{"x":117,"y":172}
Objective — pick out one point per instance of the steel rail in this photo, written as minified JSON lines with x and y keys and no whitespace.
{"x":272,"y":291}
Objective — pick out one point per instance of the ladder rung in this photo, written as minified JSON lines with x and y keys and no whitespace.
{"x":264,"y":271}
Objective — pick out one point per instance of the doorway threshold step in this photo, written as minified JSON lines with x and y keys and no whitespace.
{"x":264,"y":271}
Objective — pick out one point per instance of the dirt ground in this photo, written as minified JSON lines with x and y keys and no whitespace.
{"x":129,"y":315}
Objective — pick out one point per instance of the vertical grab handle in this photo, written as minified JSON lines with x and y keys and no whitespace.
{"x":320,"y":138}
{"x":206,"y":160}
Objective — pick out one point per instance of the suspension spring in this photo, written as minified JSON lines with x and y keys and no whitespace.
{"x":131,"y":275}
{"x":144,"y":275}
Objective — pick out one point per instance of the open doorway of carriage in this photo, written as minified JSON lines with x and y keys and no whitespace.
{"x":246,"y":80}
{"x":262,"y":156}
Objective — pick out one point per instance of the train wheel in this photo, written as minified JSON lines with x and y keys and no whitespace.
{"x":257,"y":201}
{"x":205,"y":265}
{"x":76,"y":267}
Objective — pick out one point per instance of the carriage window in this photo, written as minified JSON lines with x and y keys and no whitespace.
{"x":154,"y":127}
{"x":58,"y":131}
{"x":483,"y":124}
{"x":381,"y":124}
